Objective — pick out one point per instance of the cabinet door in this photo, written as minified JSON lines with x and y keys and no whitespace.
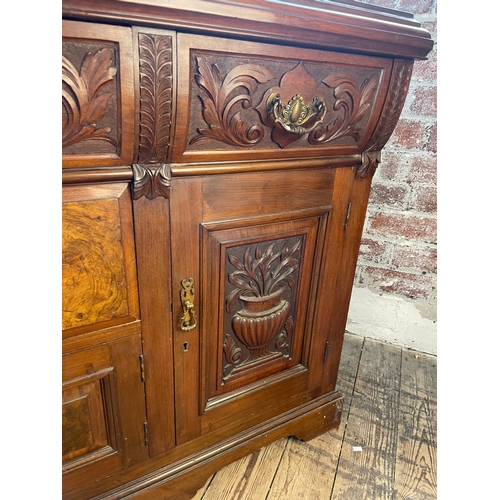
{"x":102,"y":411}
{"x":257,"y":249}
{"x":102,"y":395}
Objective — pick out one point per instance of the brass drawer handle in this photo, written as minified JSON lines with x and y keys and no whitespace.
{"x":296,"y":117}
{"x":188,"y":320}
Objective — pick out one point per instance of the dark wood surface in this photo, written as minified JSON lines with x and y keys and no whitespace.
{"x":216,"y":175}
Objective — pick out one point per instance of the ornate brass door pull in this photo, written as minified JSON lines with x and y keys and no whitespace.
{"x":188,"y":320}
{"x":296,"y":117}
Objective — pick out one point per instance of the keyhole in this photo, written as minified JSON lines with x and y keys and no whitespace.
{"x":185,"y":346}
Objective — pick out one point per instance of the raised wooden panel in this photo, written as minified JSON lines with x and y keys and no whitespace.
{"x":102,"y":411}
{"x":97,"y":95}
{"x":241,"y":100}
{"x":260,"y":280}
{"x":99,"y":283}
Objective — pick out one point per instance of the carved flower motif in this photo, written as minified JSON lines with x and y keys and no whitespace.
{"x":262,"y":274}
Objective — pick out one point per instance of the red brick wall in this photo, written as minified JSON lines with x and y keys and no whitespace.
{"x":398,"y":250}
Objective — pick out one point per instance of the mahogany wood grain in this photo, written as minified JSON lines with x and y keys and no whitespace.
{"x":186,"y":209}
{"x":222,"y":112}
{"x":152,"y":223}
{"x":184,"y":469}
{"x":273,"y":470}
{"x":354,"y":216}
{"x":385,"y":32}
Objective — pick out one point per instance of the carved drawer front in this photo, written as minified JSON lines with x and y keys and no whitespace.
{"x":102,"y":414}
{"x":99,"y":283}
{"x":97,"y":95}
{"x":243,"y":100}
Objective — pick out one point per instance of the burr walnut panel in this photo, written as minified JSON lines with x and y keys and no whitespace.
{"x":276,"y":102}
{"x":97,"y":95}
{"x":99,"y":281}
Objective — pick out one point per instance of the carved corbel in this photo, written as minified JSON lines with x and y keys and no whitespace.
{"x":369,"y":163}
{"x":151,"y":181}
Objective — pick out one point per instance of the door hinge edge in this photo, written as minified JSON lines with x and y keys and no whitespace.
{"x":141,"y":366}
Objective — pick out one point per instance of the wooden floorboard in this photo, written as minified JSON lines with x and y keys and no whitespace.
{"x":384,"y":449}
{"x":417,"y":441}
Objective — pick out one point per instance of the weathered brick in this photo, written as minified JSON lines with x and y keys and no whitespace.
{"x":408,"y":133}
{"x":424,"y":199}
{"x":409,"y":226}
{"x":373,"y":251}
{"x":425,"y":101}
{"x":423,"y":168}
{"x":391,"y":4}
{"x":408,"y":284}
{"x":389,"y":165}
{"x":432,"y":142}
{"x":416,"y":6}
{"x":394,"y":195}
{"x":419,"y":259}
{"x":431,"y":27}
{"x":426,"y":70}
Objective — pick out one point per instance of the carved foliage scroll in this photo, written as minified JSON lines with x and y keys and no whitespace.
{"x":335,"y":107}
{"x":260,"y":302}
{"x":352,"y":103}
{"x":86,"y":92}
{"x":152,"y":173}
{"x":222,"y":95}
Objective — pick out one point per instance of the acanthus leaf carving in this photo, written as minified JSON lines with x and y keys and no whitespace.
{"x":352,"y":102}
{"x":83,"y":104}
{"x":224,"y":124}
{"x":155,"y":67}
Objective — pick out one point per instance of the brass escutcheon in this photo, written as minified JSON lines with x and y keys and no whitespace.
{"x":188,"y":320}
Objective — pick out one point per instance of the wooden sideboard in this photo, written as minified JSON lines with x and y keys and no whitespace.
{"x":217,"y":162}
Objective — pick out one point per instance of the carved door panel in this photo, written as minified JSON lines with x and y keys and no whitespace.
{"x":248,"y":324}
{"x":103,"y":403}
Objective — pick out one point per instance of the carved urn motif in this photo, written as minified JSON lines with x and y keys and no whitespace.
{"x":260,"y":321}
{"x":259,"y":281}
